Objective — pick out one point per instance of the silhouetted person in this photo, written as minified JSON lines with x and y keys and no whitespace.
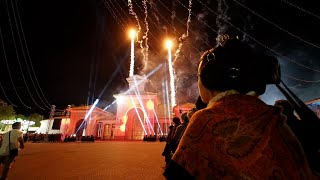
{"x":12,"y":141}
{"x":179,"y":132}
{"x":167,"y":149}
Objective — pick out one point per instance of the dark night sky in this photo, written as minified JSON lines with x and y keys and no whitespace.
{"x":75,"y":46}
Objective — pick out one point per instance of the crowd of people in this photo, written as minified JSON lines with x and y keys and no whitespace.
{"x":37,"y":138}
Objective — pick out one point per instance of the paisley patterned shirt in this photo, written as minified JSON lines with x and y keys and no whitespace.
{"x":241,"y":137}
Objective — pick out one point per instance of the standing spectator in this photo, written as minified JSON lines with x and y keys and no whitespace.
{"x":237,"y":136}
{"x":9,"y":149}
{"x":167,"y":149}
{"x":179,"y":132}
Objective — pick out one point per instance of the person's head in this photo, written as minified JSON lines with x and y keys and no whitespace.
{"x":233,"y":65}
{"x":16,"y":125}
{"x":176,"y":120}
{"x":185,"y":118}
{"x":191,"y":112}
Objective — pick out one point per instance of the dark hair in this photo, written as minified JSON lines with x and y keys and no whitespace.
{"x":234,"y":65}
{"x":176,"y":120}
{"x":200,"y":104}
{"x":184,"y":117}
{"x":16,"y":125}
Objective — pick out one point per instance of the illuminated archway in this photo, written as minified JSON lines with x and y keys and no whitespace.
{"x":79,"y":128}
{"x":134,"y":128}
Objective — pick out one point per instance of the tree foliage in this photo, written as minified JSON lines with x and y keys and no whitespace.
{"x":36,"y":118}
{"x":6,"y":112}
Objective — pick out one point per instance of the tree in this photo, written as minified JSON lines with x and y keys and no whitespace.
{"x":7,"y":112}
{"x":36,"y":118}
{"x":21,"y":116}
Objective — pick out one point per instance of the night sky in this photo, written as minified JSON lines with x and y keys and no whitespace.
{"x":74,"y":51}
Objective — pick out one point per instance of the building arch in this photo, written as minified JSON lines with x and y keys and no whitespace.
{"x":135,"y":129}
{"x":79,"y":128}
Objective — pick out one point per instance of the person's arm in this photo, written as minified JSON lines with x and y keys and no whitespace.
{"x":20,"y":140}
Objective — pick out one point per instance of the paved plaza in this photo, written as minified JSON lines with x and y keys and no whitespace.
{"x":83,"y":160}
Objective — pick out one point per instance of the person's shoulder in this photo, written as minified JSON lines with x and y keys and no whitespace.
{"x":201,"y":113}
{"x":17,"y":131}
{"x":6,"y":133}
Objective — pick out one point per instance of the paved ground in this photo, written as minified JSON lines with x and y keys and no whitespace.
{"x":99,"y":160}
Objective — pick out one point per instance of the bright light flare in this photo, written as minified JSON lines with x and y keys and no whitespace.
{"x":123,"y":125}
{"x":169,"y":44}
{"x":132,"y":33}
{"x":150,"y":105}
{"x":91,"y":109}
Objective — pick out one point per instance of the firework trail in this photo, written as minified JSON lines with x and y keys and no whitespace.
{"x":171,"y":73}
{"x":138,"y":24}
{"x":153,"y":6}
{"x":145,"y":37}
{"x":131,"y":71}
{"x":221,"y":18}
{"x":184,"y":36}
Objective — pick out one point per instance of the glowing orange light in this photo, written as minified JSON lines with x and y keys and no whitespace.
{"x":150,"y":105}
{"x":124,"y":121}
{"x":169,"y":44}
{"x":132,"y":33}
{"x":122,"y":127}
